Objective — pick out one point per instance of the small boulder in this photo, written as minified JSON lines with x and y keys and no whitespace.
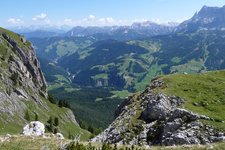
{"x":23,"y":40}
{"x":34,"y":128}
{"x":59,"y":136}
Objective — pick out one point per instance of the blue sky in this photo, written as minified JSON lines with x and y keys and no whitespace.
{"x":98,"y":12}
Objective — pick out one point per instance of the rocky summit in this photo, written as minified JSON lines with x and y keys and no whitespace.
{"x":154,"y":118}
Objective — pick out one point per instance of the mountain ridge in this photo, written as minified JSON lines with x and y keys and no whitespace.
{"x":161,"y":115}
{"x":208,"y":18}
{"x":23,"y":90}
{"x":176,"y":52}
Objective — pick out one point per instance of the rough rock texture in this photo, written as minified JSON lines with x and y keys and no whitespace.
{"x":21,"y":77}
{"x":23,"y":93}
{"x":34,"y":128}
{"x":153,"y":118}
{"x":59,"y":136}
{"x":27,"y":66}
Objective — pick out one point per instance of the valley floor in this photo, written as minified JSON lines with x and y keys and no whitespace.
{"x":36,"y":143}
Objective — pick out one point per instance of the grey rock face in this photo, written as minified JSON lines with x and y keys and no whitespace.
{"x":21,"y":80}
{"x":208,"y":18}
{"x":34,"y":128}
{"x":157,"y":119}
{"x":27,"y":65}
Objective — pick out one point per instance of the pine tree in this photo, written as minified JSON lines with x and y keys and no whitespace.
{"x":27,"y":116}
{"x":51,"y":99}
{"x":56,"y":121}
{"x":50,"y":126}
{"x":36,"y":117}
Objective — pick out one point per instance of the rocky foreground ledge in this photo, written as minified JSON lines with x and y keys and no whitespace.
{"x":153,"y":118}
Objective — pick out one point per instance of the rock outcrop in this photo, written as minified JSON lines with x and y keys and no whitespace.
{"x":34,"y":128}
{"x":23,"y":89}
{"x":153,"y":118}
{"x":21,"y":76}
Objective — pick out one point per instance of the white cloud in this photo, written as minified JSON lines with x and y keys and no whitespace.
{"x":42,"y":19}
{"x":102,"y":20}
{"x":15,"y":21}
{"x":91,"y":17}
{"x":47,"y":21}
{"x":110,"y":20}
{"x":68,"y":20}
{"x":41,"y":16}
{"x":92,"y":20}
{"x":107,"y":20}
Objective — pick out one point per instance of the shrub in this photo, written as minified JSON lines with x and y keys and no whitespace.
{"x":75,"y":146}
{"x":51,"y":99}
{"x":50,"y":126}
{"x":55,"y":130}
{"x":56,"y":121}
{"x":15,"y":77}
{"x":63,"y":103}
{"x":27,"y":116}
{"x":70,"y":136}
{"x":36,"y":117}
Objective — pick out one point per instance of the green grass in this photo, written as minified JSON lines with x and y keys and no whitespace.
{"x":176,"y":60}
{"x":100,"y":76}
{"x":121,"y":94}
{"x":153,"y":71}
{"x":13,"y":121}
{"x":61,"y":78}
{"x":66,"y":127}
{"x":203,"y":94}
{"x":66,"y":48}
{"x":25,"y":143}
{"x":192,"y":66}
{"x":152,"y":46}
{"x":17,"y":38}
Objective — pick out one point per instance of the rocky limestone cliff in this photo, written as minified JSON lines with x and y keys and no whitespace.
{"x":23,"y":88}
{"x":26,"y":65}
{"x":208,"y":18}
{"x":153,"y":118}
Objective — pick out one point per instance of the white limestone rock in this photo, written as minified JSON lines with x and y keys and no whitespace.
{"x":60,"y":136}
{"x":34,"y":128}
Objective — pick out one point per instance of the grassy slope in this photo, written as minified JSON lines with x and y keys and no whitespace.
{"x":17,"y":38}
{"x":203,"y":94}
{"x":7,"y":124}
{"x":24,"y":143}
{"x":88,"y":104}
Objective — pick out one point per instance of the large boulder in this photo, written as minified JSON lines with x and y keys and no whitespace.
{"x":34,"y":128}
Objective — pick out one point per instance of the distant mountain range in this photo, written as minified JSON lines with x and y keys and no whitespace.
{"x":136,"y":30}
{"x":33,"y":28}
{"x":208,"y":18}
{"x":115,"y":61}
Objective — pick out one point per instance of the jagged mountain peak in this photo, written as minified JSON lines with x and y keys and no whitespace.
{"x":208,"y":18}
